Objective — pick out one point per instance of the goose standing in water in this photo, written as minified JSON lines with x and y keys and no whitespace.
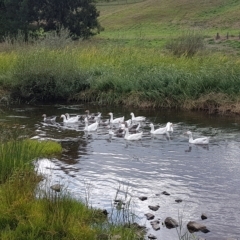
{"x":163,"y":130}
{"x":202,"y":140}
{"x":134,"y":136}
{"x":91,"y":127}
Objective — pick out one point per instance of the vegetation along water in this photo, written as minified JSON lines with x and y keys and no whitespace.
{"x":150,"y":54}
{"x":146,"y":54}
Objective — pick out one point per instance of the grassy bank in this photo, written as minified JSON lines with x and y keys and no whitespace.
{"x":146,"y":57}
{"x":132,"y":76}
{"x":30,"y":212}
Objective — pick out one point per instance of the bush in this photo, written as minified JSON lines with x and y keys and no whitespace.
{"x":187,"y":44}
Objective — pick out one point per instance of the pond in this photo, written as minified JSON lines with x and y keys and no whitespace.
{"x":98,"y":168}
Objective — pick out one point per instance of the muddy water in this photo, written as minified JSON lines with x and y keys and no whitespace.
{"x":95,"y":168}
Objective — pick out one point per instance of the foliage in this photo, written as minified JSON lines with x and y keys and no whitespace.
{"x":46,"y":75}
{"x":18,"y":154}
{"x":28,"y":16}
{"x":30,"y":211}
{"x":187,"y":44}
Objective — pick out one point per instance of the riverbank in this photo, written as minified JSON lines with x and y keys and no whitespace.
{"x":130,"y":76}
{"x":28,"y":210}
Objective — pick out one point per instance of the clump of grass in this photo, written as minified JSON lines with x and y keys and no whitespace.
{"x":19,"y":154}
{"x":27,"y":211}
{"x":188,"y":44}
{"x":43,"y":75}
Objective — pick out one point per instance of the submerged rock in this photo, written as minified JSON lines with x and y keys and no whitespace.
{"x":149,"y":216}
{"x":151,"y":236}
{"x":143,"y":198}
{"x":56,"y":187}
{"x":171,"y":223}
{"x":203,"y":216}
{"x":155,"y":225}
{"x":195,"y":227}
{"x":165,"y":193}
{"x":154,"y":208}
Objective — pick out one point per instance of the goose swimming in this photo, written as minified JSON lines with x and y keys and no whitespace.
{"x":137,"y":119}
{"x":91,"y":127}
{"x":134,"y":136}
{"x":73,"y":118}
{"x":49,"y":119}
{"x":116,"y":120}
{"x":202,"y":140}
{"x":163,"y":130}
{"x":70,"y":120}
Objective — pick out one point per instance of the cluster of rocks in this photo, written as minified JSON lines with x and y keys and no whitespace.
{"x":169,"y":222}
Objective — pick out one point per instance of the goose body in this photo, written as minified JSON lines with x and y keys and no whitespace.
{"x":134,"y":136}
{"x":117,"y":133}
{"x":72,"y":119}
{"x":91,"y":127}
{"x":134,"y":128}
{"x":202,"y":140}
{"x":49,"y":119}
{"x":128,"y":122}
{"x":162,"y":130}
{"x":137,"y":119}
{"x":116,"y":120}
{"x":105,"y":123}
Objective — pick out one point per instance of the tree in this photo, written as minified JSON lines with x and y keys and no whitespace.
{"x":15,"y":15}
{"x":79,"y":16}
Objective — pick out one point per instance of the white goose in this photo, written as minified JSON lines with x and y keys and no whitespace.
{"x":116,"y":120}
{"x":48,"y":119}
{"x":73,"y":118}
{"x":91,"y":127}
{"x":134,"y":136}
{"x":65,"y":120}
{"x":202,"y":140}
{"x":137,"y":119}
{"x":162,"y":130}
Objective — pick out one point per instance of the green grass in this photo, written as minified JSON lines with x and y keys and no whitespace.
{"x":28,"y":211}
{"x":129,"y":62}
{"x":154,"y":19}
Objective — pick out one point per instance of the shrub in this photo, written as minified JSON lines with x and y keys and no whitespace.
{"x":187,"y":44}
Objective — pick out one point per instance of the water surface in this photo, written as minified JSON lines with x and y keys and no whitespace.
{"x":95,"y":167}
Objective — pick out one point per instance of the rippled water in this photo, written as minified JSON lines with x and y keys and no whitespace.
{"x":94,"y":167}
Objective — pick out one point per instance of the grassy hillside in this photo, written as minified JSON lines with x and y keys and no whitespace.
{"x":152,"y":22}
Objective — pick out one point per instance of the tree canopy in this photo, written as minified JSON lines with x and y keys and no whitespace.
{"x":78,"y":16}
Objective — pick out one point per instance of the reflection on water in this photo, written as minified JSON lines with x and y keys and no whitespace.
{"x":206,"y":178}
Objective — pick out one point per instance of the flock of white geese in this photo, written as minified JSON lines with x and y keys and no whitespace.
{"x":119,"y":127}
